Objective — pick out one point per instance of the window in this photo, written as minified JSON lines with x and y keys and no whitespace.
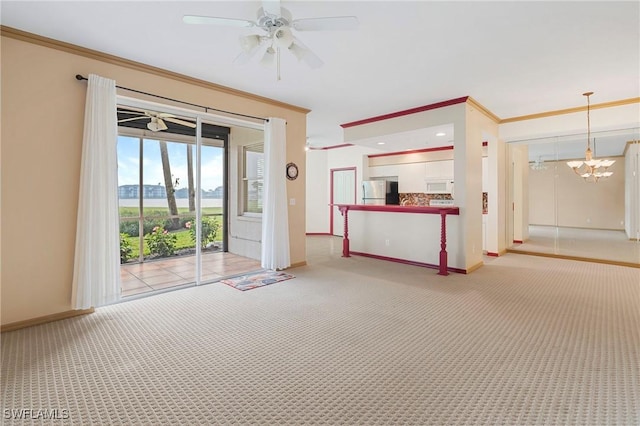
{"x":252,"y":177}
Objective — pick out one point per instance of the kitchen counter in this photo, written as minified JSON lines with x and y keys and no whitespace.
{"x":400,"y":209}
{"x":442,"y":211}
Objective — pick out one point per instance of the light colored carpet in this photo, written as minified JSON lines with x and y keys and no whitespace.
{"x":524,"y":340}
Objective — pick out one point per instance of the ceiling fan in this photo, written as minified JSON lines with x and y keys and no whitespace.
{"x":277,"y":25}
{"x":156,"y":119}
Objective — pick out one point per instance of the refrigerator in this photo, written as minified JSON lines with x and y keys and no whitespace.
{"x":379,"y":192}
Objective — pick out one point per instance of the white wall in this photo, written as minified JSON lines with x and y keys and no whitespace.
{"x":317,"y":214}
{"x":558,"y":197}
{"x":632,"y":190}
{"x":319,"y":165}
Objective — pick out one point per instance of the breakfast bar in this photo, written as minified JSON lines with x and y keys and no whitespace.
{"x":429,"y":210}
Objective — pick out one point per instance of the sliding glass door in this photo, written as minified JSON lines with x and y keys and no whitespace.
{"x":171,"y":199}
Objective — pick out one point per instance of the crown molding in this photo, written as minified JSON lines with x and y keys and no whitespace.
{"x":483,"y":109}
{"x":138,"y":66}
{"x":571,"y":110}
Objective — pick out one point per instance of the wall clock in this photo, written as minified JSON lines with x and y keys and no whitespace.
{"x":292,"y":171}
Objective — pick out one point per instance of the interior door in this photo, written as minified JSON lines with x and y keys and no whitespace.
{"x":343,"y":191}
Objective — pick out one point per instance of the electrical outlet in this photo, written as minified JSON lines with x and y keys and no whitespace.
{"x":386,"y":242}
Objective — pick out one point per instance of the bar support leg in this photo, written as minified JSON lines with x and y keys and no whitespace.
{"x":345,"y":234}
{"x":443,"y":244}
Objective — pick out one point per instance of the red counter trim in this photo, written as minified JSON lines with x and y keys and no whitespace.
{"x":400,"y":209}
{"x":406,"y":112}
{"x":407,"y":262}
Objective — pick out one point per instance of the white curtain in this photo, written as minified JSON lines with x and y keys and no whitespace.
{"x":96,"y":270}
{"x":275,"y":219}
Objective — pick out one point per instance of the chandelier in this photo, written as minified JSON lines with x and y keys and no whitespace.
{"x":538,"y":164}
{"x":591,"y":170}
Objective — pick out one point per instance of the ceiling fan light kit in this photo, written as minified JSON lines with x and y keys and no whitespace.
{"x":156,"y":125}
{"x":277,"y":24}
{"x":269,"y":57}
{"x":250,"y":42}
{"x":283,"y":38}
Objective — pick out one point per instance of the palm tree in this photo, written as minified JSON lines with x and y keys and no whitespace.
{"x":191,"y":187}
{"x":168,"y":183}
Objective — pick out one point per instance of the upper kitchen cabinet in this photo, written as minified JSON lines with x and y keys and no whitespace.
{"x":439,"y":169}
{"x":411,"y":178}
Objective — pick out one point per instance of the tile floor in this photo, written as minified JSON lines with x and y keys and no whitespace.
{"x":139,"y":278}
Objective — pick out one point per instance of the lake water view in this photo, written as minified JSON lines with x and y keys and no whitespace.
{"x":162,"y":202}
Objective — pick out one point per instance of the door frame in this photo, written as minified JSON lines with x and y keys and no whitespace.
{"x":355,"y":192}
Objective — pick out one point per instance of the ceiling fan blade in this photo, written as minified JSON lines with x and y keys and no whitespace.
{"x":131,"y":119}
{"x":245,"y":57}
{"x":313,"y":60}
{"x":214,"y":20}
{"x":303,"y":53}
{"x":181,"y":122}
{"x":335,"y":23}
{"x":271,"y":7}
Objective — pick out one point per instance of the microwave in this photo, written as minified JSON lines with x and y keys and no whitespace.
{"x":439,"y":186}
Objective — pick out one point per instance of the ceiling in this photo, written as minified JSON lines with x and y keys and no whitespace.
{"x":515,"y":58}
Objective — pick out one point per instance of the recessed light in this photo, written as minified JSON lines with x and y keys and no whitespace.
{"x":380,"y":143}
{"x":441,"y":134}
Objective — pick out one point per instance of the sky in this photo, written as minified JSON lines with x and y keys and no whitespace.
{"x":128,"y":163}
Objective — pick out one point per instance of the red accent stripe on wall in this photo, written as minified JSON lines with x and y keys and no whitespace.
{"x":492,"y":254}
{"x":413,"y":151}
{"x":417,"y":151}
{"x":406,"y":112}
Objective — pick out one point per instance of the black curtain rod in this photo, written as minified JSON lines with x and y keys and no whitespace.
{"x":205,"y":108}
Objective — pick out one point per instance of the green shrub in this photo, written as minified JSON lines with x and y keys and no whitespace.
{"x":131,"y":228}
{"x":161,"y":242}
{"x":209,"y":231}
{"x":125,"y":248}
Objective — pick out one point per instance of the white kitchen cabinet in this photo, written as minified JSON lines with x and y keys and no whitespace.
{"x":411,"y":178}
{"x":439,"y":169}
{"x":384,"y":171}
